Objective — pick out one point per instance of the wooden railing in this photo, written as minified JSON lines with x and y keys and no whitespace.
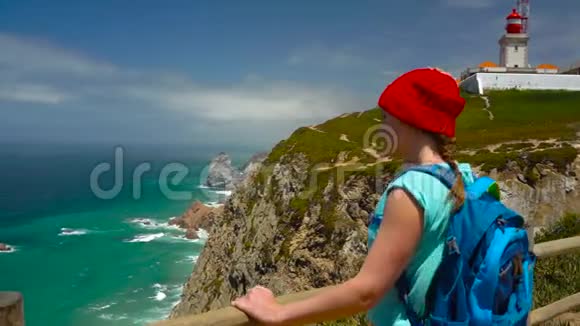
{"x":12,"y":313}
{"x":232,"y":317}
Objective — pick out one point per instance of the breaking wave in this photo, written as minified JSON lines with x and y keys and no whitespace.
{"x":146,"y":237}
{"x":68,"y":232}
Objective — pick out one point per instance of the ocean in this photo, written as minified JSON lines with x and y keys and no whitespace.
{"x":84,"y":260}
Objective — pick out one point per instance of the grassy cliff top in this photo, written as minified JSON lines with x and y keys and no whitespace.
{"x":519,"y":115}
{"x":510,"y":117}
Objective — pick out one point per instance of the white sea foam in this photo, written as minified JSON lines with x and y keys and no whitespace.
{"x":175,"y":292}
{"x":146,"y":237}
{"x":189,"y":260}
{"x":172,"y":294}
{"x":166,"y":226}
{"x":223,"y":192}
{"x":202,"y":234}
{"x":203,"y":187}
{"x":106,"y":316}
{"x":98,"y":308}
{"x":151,"y":224}
{"x":67,"y":232}
{"x":183,"y":238}
{"x":113,"y":317}
{"x":218,"y":191}
{"x":213,"y":204}
{"x":140,"y":220}
{"x":202,"y":237}
{"x":193,"y":259}
{"x":11,"y":249}
{"x":160,"y":296}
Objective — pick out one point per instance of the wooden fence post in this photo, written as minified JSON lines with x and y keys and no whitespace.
{"x":11,"y":309}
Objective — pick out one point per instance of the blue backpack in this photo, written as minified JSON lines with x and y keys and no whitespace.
{"x":486,"y":275}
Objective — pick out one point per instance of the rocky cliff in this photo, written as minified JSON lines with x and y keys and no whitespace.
{"x":298,"y":221}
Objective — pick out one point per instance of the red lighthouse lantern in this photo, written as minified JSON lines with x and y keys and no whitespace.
{"x":514,"y":23}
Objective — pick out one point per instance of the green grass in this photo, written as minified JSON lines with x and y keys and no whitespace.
{"x":353,"y":125}
{"x":318,"y":147}
{"x":519,"y":115}
{"x":545,"y":145}
{"x":488,"y":161}
{"x":559,"y":158}
{"x":514,"y":147}
{"x":299,"y":205}
{"x":557,"y":277}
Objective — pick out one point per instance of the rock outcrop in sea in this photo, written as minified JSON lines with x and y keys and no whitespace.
{"x":5,"y":247}
{"x":198,"y":216}
{"x":221,"y":173}
{"x":299,"y":220}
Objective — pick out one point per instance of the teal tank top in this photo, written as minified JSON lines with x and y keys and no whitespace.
{"x":432,"y":196}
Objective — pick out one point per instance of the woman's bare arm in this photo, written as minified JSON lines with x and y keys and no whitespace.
{"x":395,"y":245}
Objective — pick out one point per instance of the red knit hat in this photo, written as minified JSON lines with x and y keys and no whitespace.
{"x":426,"y":99}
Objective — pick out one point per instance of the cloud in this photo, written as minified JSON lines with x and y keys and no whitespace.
{"x":472,"y":4}
{"x":37,"y":56}
{"x":32,"y":93}
{"x":42,"y":73}
{"x":256,"y":101}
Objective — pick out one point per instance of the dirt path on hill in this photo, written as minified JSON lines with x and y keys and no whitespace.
{"x":344,"y":137}
{"x":487,"y":106}
{"x":535,"y":142}
{"x":372,"y":152}
{"x":354,"y":162}
{"x":316,"y":129}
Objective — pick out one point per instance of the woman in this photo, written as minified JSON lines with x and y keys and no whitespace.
{"x":421,"y":106}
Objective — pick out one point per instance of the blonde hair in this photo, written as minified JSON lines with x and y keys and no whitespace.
{"x":446,"y":148}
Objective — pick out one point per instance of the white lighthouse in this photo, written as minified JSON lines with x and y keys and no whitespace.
{"x":513,"y":70}
{"x":514,"y":43}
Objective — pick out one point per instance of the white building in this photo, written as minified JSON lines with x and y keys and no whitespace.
{"x":481,"y":82}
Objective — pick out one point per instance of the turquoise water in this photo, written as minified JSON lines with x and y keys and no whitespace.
{"x":80,"y":260}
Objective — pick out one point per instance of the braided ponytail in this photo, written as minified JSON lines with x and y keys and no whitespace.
{"x":446,"y":148}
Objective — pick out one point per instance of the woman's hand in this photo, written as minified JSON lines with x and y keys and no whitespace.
{"x":260,"y":305}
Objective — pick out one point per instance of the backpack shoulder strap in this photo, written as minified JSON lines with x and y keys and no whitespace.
{"x":403,"y":284}
{"x":483,"y":185}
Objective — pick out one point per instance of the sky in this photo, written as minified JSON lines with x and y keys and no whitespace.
{"x":235,"y":73}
